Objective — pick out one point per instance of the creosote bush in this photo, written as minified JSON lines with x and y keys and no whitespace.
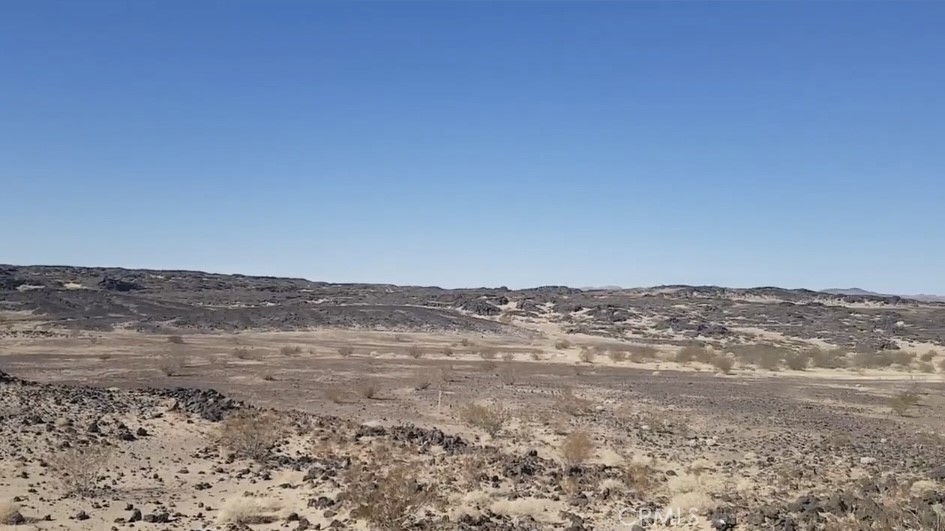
{"x":617,"y":356}
{"x":415,"y":352}
{"x":290,"y":350}
{"x":80,"y":468}
{"x":176,"y":340}
{"x":368,"y":389}
{"x":490,"y":419}
{"x":835,"y":358}
{"x":903,"y":401}
{"x":723,"y":363}
{"x":345,"y":351}
{"x":386,"y":500}
{"x":562,"y":344}
{"x":587,"y":355}
{"x":252,"y":434}
{"x":691,"y":353}
{"x":576,"y":449}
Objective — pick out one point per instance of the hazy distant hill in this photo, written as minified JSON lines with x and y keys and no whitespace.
{"x":867,"y":293}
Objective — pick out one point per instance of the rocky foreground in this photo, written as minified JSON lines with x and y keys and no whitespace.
{"x":92,"y":458}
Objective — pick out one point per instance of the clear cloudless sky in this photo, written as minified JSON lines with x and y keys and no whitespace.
{"x":799,"y":144}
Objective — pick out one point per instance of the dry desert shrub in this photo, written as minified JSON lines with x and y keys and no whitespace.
{"x":768,"y":357}
{"x":508,"y":375}
{"x":723,"y":363}
{"x":80,"y":468}
{"x":176,"y":340}
{"x":571,"y":404}
{"x":642,"y":353}
{"x":290,"y":350}
{"x":466,"y":342}
{"x":251,"y":434}
{"x":508,"y":356}
{"x":640,"y":477}
{"x":562,"y":344}
{"x":587,"y":355}
{"x":249,"y":510}
{"x":617,"y":356}
{"x":488,"y":353}
{"x":691,"y":353}
{"x":423,"y":380}
{"x":797,"y":361}
{"x":105,"y":356}
{"x":243,"y":353}
{"x":448,"y":351}
{"x":345,"y":351}
{"x":873,"y":360}
{"x":576,"y":449}
{"x":415,"y":352}
{"x":336,"y":395}
{"x":387,"y":501}
{"x":489,"y":366}
{"x":536,"y":356}
{"x":490,"y":419}
{"x":903,"y":401}
{"x":926,"y":367}
{"x":928,"y":356}
{"x":835,"y":358}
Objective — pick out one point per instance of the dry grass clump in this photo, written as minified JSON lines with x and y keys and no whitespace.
{"x":490,"y":419}
{"x":387,"y":501}
{"x":576,"y":449}
{"x":80,"y":468}
{"x":290,"y":350}
{"x":562,"y":344}
{"x":105,"y":356}
{"x":903,"y":401}
{"x":587,"y":355}
{"x":251,"y":434}
{"x":508,"y":356}
{"x":929,"y":356}
{"x":176,"y":340}
{"x":336,"y":395}
{"x":536,"y":356}
{"x":249,"y":510}
{"x":345,"y":351}
{"x":903,"y":358}
{"x":10,"y":513}
{"x":466,"y":342}
{"x":643,"y":353}
{"x":448,"y":351}
{"x":926,"y":367}
{"x":638,"y":476}
{"x":415,"y":352}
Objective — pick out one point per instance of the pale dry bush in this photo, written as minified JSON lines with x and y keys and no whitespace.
{"x":536,"y":356}
{"x":723,"y":363}
{"x":571,"y":404}
{"x":835,"y":358}
{"x":926,"y":367}
{"x":576,"y":449}
{"x":639,"y":476}
{"x":415,"y":352}
{"x":768,"y":357}
{"x":692,"y":353}
{"x":797,"y":361}
{"x":243,"y":353}
{"x":252,"y":434}
{"x":423,"y":380}
{"x":928,"y":356}
{"x":176,"y":340}
{"x":508,"y":356}
{"x":490,"y":419}
{"x":587,"y":355}
{"x":562,"y":344}
{"x":488,"y":353}
{"x":336,"y":395}
{"x":873,"y":360}
{"x":642,"y":353}
{"x":903,"y":401}
{"x":345,"y":351}
{"x":388,"y":500}
{"x":80,"y":468}
{"x":448,"y":351}
{"x":290,"y":350}
{"x":617,"y":356}
{"x":249,"y":510}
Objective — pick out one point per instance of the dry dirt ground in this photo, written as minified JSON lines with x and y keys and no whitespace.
{"x":354,"y":429}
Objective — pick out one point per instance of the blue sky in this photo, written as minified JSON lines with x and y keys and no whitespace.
{"x":798,"y":144}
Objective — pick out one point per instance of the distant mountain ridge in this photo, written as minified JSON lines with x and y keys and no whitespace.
{"x":866,"y":293}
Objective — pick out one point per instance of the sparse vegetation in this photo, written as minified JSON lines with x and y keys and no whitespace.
{"x":797,"y":361}
{"x":828,"y":359}
{"x":423,"y":380}
{"x":448,"y":351}
{"x":536,"y":356}
{"x":171,"y":364}
{"x":617,"y":356}
{"x":251,"y":434}
{"x":723,"y":363}
{"x":10,"y":514}
{"x":415,"y":352}
{"x":290,"y":350}
{"x":345,"y":351}
{"x":490,"y":419}
{"x":562,"y":344}
{"x":244,"y":353}
{"x":902,"y":402}
{"x":248,"y":510}
{"x":176,"y":340}
{"x":576,"y":449}
{"x":568,"y":402}
{"x":488,"y":353}
{"x":508,"y":375}
{"x":386,"y":500}
{"x":873,"y":360}
{"x":80,"y":468}
{"x":642,"y":353}
{"x":587,"y":355}
{"x":767,"y":357}
{"x":691,"y":353}
{"x":367,"y":389}
{"x":508,"y":356}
